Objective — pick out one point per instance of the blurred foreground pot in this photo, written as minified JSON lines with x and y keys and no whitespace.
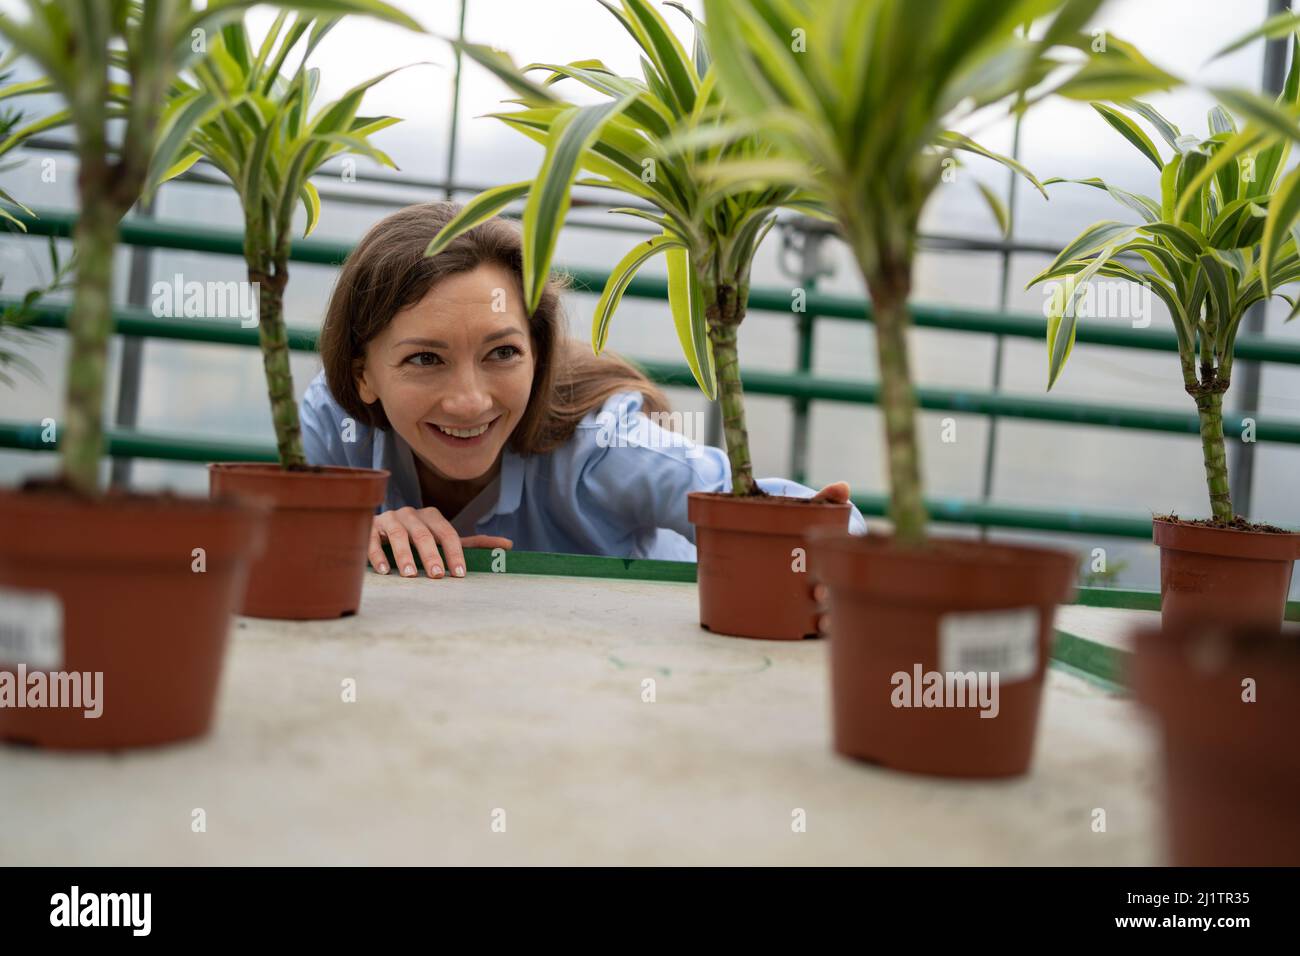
{"x":119,"y":606}
{"x":1227,"y":702}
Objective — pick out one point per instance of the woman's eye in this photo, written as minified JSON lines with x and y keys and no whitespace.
{"x":424,"y":359}
{"x":506,"y":352}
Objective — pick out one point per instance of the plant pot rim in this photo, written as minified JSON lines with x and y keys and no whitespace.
{"x":779,"y":515}
{"x":1227,"y":542}
{"x":936,"y":550}
{"x":1172,"y":667}
{"x":772,"y":501}
{"x":266,"y":469}
{"x":333,"y":488}
{"x":959,"y":574}
{"x":13,"y":499}
{"x":123,"y":528}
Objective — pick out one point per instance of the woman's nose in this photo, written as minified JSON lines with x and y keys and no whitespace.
{"x":467,"y":399}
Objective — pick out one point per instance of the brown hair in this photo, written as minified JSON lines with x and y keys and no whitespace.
{"x":389,"y":271}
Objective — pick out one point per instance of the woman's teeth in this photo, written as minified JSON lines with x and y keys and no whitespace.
{"x":464,"y":432}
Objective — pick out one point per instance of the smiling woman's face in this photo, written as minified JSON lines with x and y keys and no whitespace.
{"x":454,"y":375}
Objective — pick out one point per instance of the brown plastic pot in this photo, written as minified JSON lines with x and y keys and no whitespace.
{"x":897,"y":615}
{"x":1231,"y":766}
{"x":119,"y":587}
{"x":317,"y":536}
{"x":752,"y":562}
{"x":1222,"y":574}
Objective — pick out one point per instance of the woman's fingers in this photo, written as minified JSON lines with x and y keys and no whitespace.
{"x":394,"y":529}
{"x":486,"y":541}
{"x":424,"y":532}
{"x":447,"y":539}
{"x":836,"y":493}
{"x":423,"y":540}
{"x":375,"y":549}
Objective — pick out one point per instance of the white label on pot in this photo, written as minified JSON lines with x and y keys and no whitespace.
{"x":1002,"y":641}
{"x":31,"y":629}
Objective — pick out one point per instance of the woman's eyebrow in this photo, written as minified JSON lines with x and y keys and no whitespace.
{"x":439,"y":344}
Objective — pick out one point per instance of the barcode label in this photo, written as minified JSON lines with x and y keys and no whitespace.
{"x":1002,"y":641}
{"x":31,"y":629}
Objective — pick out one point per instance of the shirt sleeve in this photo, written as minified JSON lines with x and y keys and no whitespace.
{"x":320,"y":419}
{"x":640,"y":473}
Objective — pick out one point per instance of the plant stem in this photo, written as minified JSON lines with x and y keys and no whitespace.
{"x":1209,"y":408}
{"x":274,"y":338}
{"x":725,"y":311}
{"x":89,"y":324}
{"x":889,"y":291}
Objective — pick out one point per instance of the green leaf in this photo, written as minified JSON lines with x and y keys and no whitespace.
{"x":570,"y":137}
{"x":997,"y":207}
{"x":479,"y":209}
{"x":350,"y":143}
{"x":1167,"y":130}
{"x":179,"y":167}
{"x":174,"y":142}
{"x":1063,"y":322}
{"x":1278,"y":25}
{"x":1187,"y":242}
{"x":955,"y":140}
{"x":1220,"y":285}
{"x":1131,"y":132}
{"x":1110,"y":77}
{"x":700,"y":53}
{"x":1240,"y":224}
{"x":620,"y":278}
{"x":503,"y":67}
{"x":664,"y":50}
{"x":311,"y":203}
{"x":686,"y":301}
{"x":1280,"y":121}
{"x":11,"y":200}
{"x":1144,"y":206}
{"x":1194,"y":210}
{"x":1283,"y":212}
{"x":1221,"y":121}
{"x":1095,"y":237}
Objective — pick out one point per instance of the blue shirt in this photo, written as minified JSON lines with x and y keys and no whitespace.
{"x":618,"y":487}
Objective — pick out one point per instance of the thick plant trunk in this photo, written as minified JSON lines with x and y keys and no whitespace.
{"x":725,"y":311}
{"x":89,"y":324}
{"x":1209,"y":408}
{"x":274,"y":338}
{"x":889,"y":293}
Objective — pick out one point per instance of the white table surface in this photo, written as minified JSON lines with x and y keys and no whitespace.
{"x":523,"y":693}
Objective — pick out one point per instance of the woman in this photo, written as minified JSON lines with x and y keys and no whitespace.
{"x":497,"y":431}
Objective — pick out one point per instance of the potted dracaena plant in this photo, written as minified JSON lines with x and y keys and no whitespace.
{"x":708,"y":237}
{"x":866,"y":93}
{"x":142,"y":601}
{"x":1226,"y":741}
{"x":269,"y":144}
{"x":1211,"y":255}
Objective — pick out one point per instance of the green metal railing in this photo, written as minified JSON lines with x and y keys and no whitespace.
{"x":802,"y":387}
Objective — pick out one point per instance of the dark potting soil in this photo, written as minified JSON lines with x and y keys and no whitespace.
{"x":764,"y":496}
{"x":1238,"y":523}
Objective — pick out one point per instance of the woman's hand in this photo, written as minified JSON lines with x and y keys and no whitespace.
{"x":426,"y":530}
{"x":835,"y":493}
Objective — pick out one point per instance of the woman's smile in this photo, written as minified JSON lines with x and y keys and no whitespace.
{"x":461,"y":436}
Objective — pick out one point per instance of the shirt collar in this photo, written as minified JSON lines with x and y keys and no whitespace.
{"x":501,"y":497}
{"x":511,"y":484}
